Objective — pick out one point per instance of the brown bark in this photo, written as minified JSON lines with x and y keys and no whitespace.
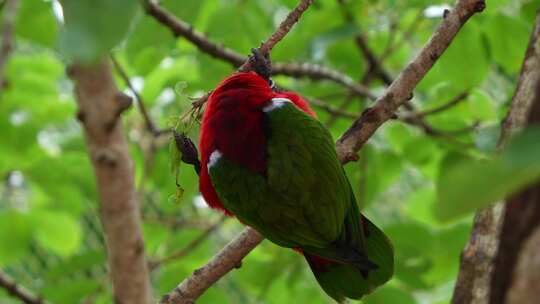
{"x":522,"y":214}
{"x":487,"y":263}
{"x":100,"y":106}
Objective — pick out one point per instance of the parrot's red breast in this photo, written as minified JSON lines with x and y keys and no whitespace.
{"x":233,"y":123}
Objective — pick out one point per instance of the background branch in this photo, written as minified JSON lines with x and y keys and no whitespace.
{"x":189,"y":247}
{"x":140,"y":103}
{"x":8,"y":26}
{"x":180,"y":28}
{"x":17,"y":291}
{"x":224,"y":261}
{"x":100,"y":106}
{"x":487,"y":267}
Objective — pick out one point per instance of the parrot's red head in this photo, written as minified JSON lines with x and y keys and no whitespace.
{"x":233,"y":123}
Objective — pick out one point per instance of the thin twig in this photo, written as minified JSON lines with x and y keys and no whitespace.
{"x":181,"y":28}
{"x":8,"y":27}
{"x":175,"y":224}
{"x":406,"y":36}
{"x":150,"y":125}
{"x":224,"y":261}
{"x":451,"y":103}
{"x":189,"y":247}
{"x":18,"y":291}
{"x":283,"y":29}
{"x":332,"y":110}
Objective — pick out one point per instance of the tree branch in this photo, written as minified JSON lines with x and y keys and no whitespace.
{"x":180,"y":28}
{"x":486,"y":265}
{"x":189,"y":247}
{"x":522,"y":210}
{"x":139,"y":100}
{"x":401,"y":89}
{"x":18,"y":291}
{"x":284,"y":27}
{"x":100,"y":106}
{"x":451,"y":103}
{"x":8,"y":27}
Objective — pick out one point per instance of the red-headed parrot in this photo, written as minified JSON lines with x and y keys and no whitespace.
{"x":267,"y":160}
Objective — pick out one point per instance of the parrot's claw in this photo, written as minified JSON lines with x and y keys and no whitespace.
{"x":261,"y":63}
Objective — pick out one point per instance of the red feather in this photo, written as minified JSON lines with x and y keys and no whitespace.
{"x":233,"y":124}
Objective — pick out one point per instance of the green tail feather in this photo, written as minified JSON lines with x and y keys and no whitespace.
{"x":342,"y":281}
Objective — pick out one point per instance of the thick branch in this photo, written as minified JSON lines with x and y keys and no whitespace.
{"x":17,"y":291}
{"x":522,"y":210}
{"x":401,"y":89}
{"x":480,"y":267}
{"x":100,"y":106}
{"x":8,"y":26}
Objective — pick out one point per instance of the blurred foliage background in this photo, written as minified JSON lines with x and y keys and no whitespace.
{"x":50,"y":236}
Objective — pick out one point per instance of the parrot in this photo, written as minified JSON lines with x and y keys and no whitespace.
{"x":268,"y":161}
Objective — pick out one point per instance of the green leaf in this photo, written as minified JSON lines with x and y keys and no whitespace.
{"x":507,"y":38}
{"x":72,"y":291}
{"x":57,"y":231}
{"x":15,"y":235}
{"x":93,"y":27}
{"x":36,"y":22}
{"x":389,"y":294}
{"x":463,"y":65}
{"x":466,"y":184}
{"x":82,"y":262}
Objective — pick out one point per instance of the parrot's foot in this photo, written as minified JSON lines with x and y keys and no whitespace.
{"x":261,"y":64}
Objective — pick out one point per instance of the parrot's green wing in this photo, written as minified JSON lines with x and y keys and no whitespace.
{"x":306,"y":201}
{"x":305,"y":197}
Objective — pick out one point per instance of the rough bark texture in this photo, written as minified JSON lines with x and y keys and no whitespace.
{"x":472,"y":285}
{"x":524,"y":289}
{"x":522,"y":214}
{"x":100,"y":106}
{"x":486,"y":263}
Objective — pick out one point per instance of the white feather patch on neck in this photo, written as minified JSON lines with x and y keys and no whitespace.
{"x":276,"y":103}
{"x":214,"y":157}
